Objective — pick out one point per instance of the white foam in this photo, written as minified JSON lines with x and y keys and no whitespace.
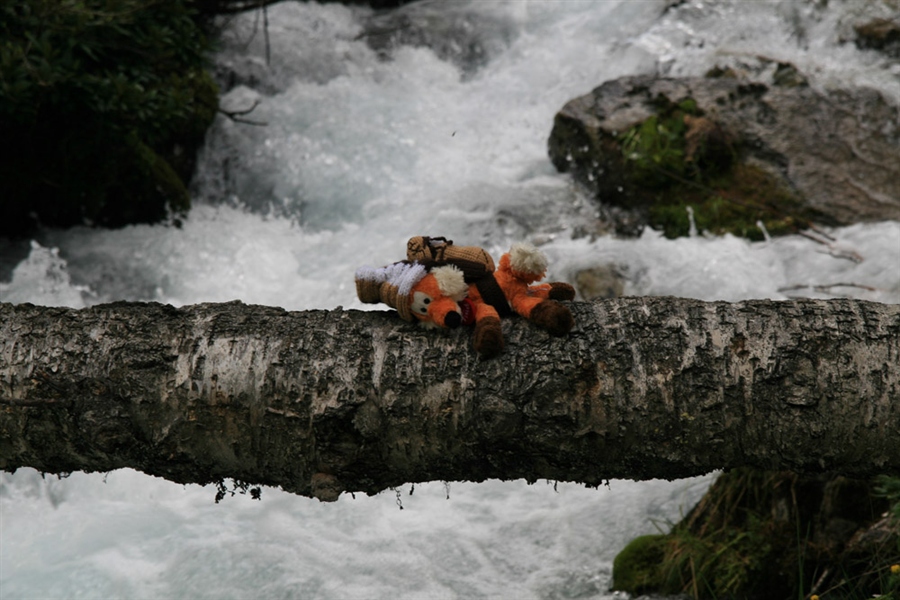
{"x":358,"y":155}
{"x":43,"y":278}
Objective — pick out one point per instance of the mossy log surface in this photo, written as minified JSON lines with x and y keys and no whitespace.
{"x":323,"y":402}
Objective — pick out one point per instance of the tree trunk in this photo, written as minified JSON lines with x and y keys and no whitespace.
{"x":322,"y":402}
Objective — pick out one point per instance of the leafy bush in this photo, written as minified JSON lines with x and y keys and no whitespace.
{"x":102,"y":106}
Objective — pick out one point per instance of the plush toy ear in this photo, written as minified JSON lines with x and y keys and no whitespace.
{"x":451,"y":282}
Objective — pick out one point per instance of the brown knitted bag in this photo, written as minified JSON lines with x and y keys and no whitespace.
{"x":473,"y":261}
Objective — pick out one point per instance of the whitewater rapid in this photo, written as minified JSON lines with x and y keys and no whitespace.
{"x":354,"y":150}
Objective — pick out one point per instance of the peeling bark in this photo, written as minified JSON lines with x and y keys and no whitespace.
{"x":324,"y":402}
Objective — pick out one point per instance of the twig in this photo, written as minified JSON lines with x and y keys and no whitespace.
{"x":827,"y":287}
{"x":832,"y":250}
{"x":819,"y":581}
{"x":235,"y":115}
{"x":265,"y":12}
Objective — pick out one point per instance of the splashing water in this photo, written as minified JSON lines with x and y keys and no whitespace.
{"x":366,"y":143}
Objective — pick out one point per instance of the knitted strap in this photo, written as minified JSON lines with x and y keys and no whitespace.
{"x":492,"y":294}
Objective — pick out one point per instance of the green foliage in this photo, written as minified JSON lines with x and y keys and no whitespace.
{"x":724,"y":548}
{"x":655,"y":148}
{"x":636,"y":568}
{"x":724,"y":564}
{"x":889,"y":487}
{"x":737,"y":201}
{"x":97,"y":98}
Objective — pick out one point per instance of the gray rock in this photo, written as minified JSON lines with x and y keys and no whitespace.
{"x":467,"y":37}
{"x":600,"y":282}
{"x":838,"y":151}
{"x":879,"y":34}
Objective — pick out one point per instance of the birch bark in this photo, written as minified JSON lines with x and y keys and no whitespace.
{"x":323,"y":402}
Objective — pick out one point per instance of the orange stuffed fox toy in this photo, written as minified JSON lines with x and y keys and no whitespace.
{"x":442,"y":285}
{"x":431,"y":297}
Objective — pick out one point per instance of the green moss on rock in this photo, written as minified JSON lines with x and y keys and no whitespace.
{"x":679,"y":159}
{"x":760,"y":535}
{"x":736,"y":201}
{"x":637,"y":568}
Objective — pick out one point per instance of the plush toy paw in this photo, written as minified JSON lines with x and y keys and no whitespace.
{"x":552,"y":316}
{"x":488,"y":339}
{"x":561,"y":291}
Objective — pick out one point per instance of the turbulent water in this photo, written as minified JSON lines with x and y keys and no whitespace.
{"x":367,"y":130}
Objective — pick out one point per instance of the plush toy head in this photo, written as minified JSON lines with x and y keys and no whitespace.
{"x":430,"y":297}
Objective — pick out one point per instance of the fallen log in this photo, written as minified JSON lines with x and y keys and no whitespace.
{"x":325,"y":402}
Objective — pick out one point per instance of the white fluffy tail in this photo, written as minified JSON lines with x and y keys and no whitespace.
{"x":526,"y":258}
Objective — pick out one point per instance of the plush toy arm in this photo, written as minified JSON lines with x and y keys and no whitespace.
{"x":555,"y":290}
{"x":488,"y":337}
{"x":561,"y":291}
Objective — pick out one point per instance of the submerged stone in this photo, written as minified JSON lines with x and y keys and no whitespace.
{"x":879,"y":34}
{"x":600,"y":282}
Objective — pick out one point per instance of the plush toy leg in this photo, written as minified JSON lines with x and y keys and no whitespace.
{"x":552,"y":316}
{"x":546,"y":314}
{"x":561,"y":291}
{"x":488,"y":337}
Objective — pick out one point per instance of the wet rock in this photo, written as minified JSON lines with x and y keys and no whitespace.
{"x":455,"y":34}
{"x":787,"y":75}
{"x":879,"y":34}
{"x":602,"y":281}
{"x":784,"y":150}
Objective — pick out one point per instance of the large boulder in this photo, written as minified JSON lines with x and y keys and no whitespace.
{"x":785,"y":151}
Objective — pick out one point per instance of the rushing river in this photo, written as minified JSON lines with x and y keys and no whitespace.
{"x":357,"y":143}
